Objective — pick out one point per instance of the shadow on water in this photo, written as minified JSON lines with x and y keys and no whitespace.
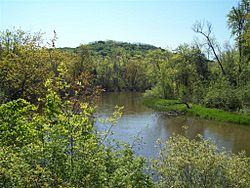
{"x":138,"y":120}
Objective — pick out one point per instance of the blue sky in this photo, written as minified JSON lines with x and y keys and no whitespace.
{"x":165,"y":23}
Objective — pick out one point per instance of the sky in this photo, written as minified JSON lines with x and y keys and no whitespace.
{"x":165,"y":23}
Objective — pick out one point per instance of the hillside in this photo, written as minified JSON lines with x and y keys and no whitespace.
{"x":103,"y":48}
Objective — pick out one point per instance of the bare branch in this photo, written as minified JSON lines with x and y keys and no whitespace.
{"x":199,"y":27}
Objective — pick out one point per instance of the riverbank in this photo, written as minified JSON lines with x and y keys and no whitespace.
{"x":196,"y":110}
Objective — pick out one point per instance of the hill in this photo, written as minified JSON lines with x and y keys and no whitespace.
{"x":104,"y":48}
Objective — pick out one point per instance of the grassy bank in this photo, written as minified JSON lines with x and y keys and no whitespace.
{"x":197,"y":110}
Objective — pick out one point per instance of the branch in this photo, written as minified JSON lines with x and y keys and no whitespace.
{"x":198,"y":27}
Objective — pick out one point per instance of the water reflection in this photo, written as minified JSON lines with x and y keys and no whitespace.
{"x":141,"y":121}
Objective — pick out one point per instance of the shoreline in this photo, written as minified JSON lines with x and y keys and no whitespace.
{"x":169,"y":106}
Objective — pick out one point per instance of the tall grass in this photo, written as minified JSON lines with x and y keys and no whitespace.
{"x":197,"y":110}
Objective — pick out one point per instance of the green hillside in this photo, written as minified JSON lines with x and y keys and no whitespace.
{"x":104,"y":48}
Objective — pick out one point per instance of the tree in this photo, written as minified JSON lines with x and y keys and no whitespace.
{"x":24,"y":66}
{"x":198,"y":27}
{"x":136,"y":74}
{"x":161,"y":69}
{"x":191,"y":67}
{"x":239,"y":25}
{"x":57,"y":147}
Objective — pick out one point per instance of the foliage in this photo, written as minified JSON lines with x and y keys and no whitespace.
{"x":160,"y":65}
{"x":218,"y":81}
{"x":198,"y":163}
{"x":119,"y":66}
{"x":16,"y":127}
{"x":186,"y":73}
{"x":26,"y":65}
{"x":23,"y":66}
{"x":54,"y":144}
{"x":222,"y":95}
{"x":59,"y":147}
{"x":104,"y":48}
{"x":238,"y":22}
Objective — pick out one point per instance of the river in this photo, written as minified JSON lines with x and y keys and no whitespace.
{"x":144,"y":123}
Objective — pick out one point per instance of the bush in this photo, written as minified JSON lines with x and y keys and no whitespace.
{"x":222,"y":95}
{"x":159,"y":92}
{"x":58,"y":147}
{"x":197,"y":163}
{"x":244,"y":93}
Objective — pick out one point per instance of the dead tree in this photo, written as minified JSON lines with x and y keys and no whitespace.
{"x":199,"y":28}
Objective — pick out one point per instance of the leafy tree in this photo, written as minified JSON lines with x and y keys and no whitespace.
{"x":59,"y":147}
{"x":136,"y":74}
{"x":161,"y":70}
{"x":239,"y":25}
{"x":191,"y":69}
{"x":222,"y":94}
{"x":23,"y":66}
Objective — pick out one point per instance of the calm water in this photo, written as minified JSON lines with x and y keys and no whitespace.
{"x":140,"y":121}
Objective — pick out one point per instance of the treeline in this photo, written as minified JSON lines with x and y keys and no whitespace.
{"x":105,"y":48}
{"x":185,"y":73}
{"x":119,"y":66}
{"x":200,"y":73}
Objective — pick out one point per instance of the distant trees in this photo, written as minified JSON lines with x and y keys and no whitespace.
{"x":192,"y":73}
{"x":121,"y":68}
{"x":160,"y":66}
{"x":104,"y":48}
{"x":184,"y":73}
{"x":136,"y":74}
{"x":26,"y":65}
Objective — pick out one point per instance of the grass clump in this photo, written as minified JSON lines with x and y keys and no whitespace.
{"x":197,"y":110}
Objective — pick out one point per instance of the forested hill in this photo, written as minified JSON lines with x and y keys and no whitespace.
{"x":104,"y":48}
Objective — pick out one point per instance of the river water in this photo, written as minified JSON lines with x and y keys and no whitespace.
{"x":138,"y":121}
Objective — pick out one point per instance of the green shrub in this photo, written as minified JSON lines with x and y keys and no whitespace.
{"x":198,"y":163}
{"x":154,"y":92}
{"x":222,"y":95}
{"x":15,"y":125}
{"x":59,"y":147}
